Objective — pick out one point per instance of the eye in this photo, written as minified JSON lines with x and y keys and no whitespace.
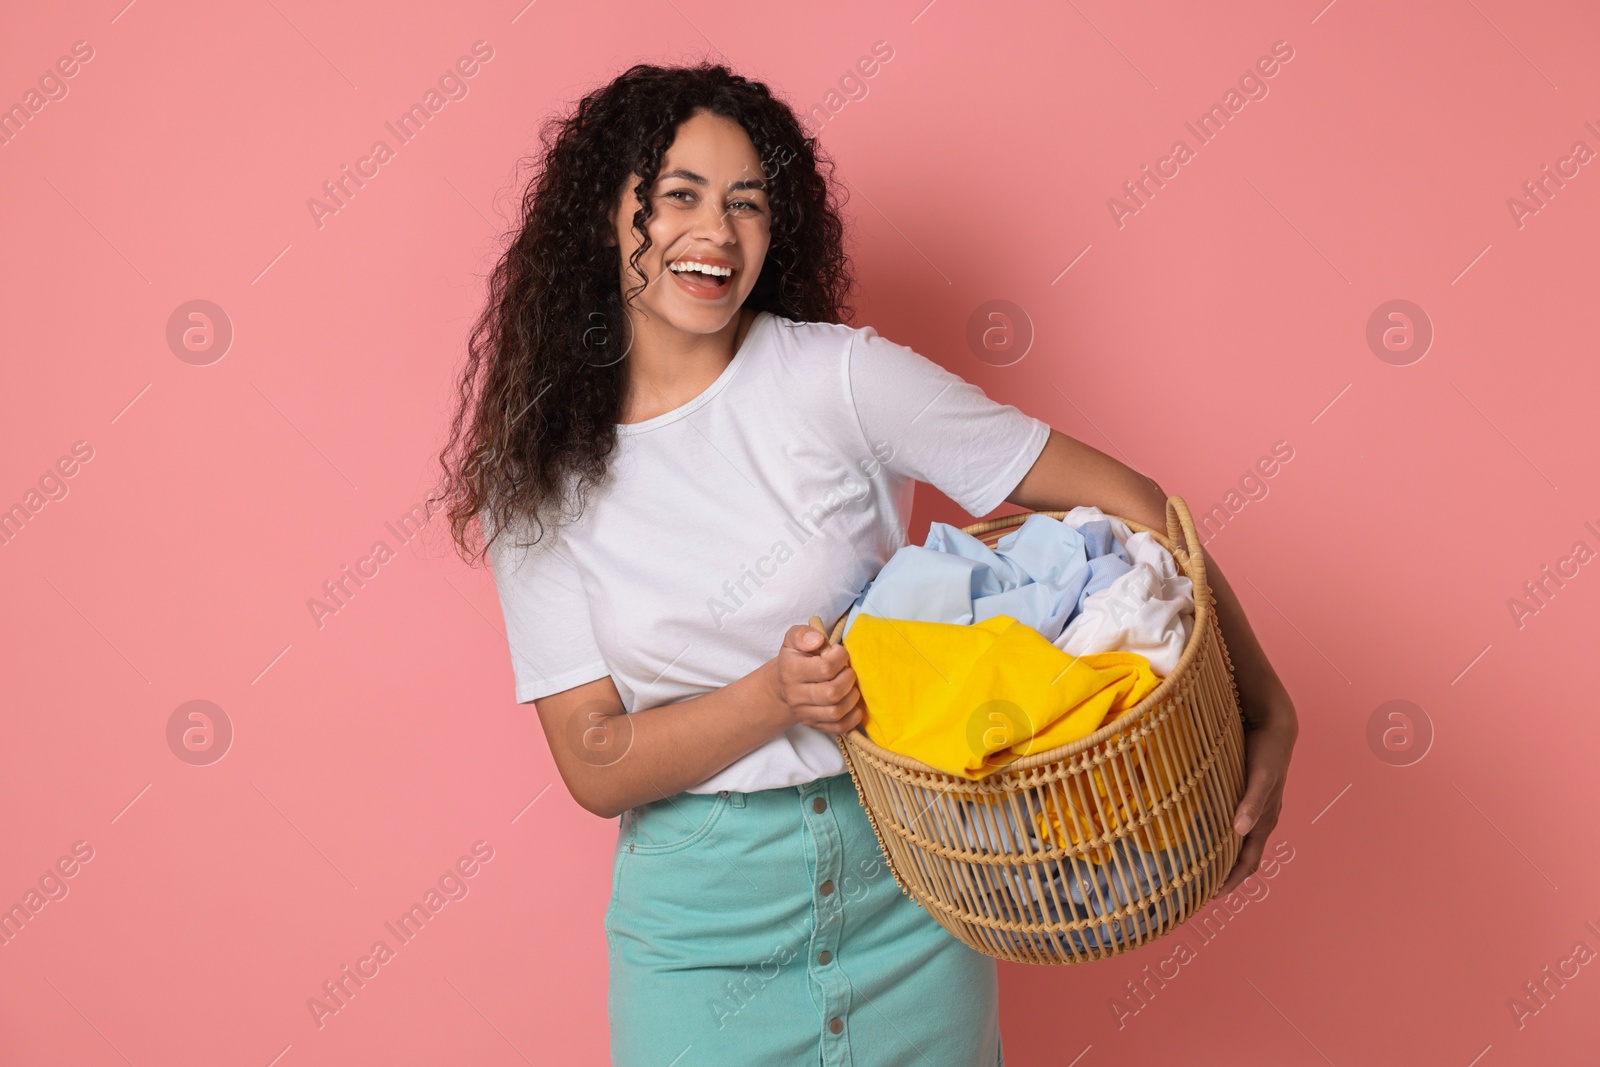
{"x":744,"y":204}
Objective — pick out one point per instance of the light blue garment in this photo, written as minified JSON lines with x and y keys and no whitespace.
{"x":1100,"y":541}
{"x":1107,"y":560}
{"x":1038,"y":573}
{"x":924,"y":585}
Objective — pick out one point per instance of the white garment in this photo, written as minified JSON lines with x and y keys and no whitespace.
{"x":1149,"y":610}
{"x":1089,"y":513}
{"x":775,"y":494}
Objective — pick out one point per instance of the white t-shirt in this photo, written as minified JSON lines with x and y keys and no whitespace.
{"x":774,"y":495}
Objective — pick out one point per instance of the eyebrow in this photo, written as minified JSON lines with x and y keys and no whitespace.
{"x":691,"y":176}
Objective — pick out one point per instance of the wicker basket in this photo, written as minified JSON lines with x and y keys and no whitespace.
{"x":1091,"y":849}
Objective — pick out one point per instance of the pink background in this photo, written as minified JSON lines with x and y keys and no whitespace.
{"x":1229,"y":313}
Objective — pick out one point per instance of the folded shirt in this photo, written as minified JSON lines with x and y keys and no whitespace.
{"x":969,"y":699}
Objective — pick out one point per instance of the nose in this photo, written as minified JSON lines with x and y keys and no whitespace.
{"x":711,"y":224}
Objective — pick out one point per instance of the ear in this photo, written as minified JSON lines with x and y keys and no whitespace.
{"x":611,"y":228}
{"x":611,"y":225}
{"x":616,"y":206}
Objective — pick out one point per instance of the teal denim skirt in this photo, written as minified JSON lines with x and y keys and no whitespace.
{"x":766,"y":928}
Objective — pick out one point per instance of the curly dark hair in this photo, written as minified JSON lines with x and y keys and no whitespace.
{"x":539,"y":395}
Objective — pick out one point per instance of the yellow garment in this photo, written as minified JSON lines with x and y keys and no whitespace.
{"x":968,"y":700}
{"x":1078,"y":818}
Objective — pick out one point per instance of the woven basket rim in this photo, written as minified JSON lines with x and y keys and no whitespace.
{"x":1190,"y":563}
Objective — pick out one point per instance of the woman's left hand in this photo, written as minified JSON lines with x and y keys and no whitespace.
{"x":1270,"y":731}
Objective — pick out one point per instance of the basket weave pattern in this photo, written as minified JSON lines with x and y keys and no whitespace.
{"x":1136,"y":817}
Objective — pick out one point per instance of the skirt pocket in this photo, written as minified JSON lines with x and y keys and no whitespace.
{"x":673,"y":823}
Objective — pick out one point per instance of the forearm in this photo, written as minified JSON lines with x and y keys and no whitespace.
{"x":1071,"y":473}
{"x":662,"y":751}
{"x":1258,"y":683}
{"x":1255,"y":676}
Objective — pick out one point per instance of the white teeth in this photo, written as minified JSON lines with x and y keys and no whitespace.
{"x":704,"y":268}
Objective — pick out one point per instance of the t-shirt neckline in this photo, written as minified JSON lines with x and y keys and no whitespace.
{"x":688,"y":407}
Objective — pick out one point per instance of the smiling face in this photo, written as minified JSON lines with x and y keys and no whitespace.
{"x":709,"y":228}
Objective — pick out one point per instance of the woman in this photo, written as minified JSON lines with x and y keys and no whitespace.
{"x":678,"y":452}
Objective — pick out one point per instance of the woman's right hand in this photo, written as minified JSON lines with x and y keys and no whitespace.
{"x":814,"y":682}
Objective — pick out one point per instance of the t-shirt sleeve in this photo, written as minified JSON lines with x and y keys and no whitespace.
{"x":937,"y":427}
{"x":547,"y":617}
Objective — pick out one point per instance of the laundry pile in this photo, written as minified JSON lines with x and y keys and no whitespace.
{"x":970,"y":657}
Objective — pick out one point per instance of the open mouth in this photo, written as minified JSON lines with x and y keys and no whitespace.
{"x":702,"y":279}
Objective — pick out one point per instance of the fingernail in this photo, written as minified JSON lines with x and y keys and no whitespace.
{"x":1242,"y":824}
